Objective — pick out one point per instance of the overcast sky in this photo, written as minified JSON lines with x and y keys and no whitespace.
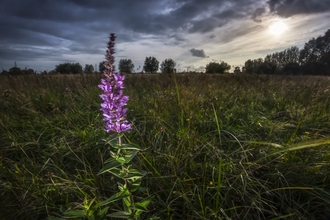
{"x":40,"y":34}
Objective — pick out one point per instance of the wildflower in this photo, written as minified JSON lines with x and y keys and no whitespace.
{"x":113,"y":98}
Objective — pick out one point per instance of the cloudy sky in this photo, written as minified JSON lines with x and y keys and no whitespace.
{"x":40,"y":34}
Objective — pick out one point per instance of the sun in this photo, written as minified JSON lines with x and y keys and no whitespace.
{"x":278,"y":28}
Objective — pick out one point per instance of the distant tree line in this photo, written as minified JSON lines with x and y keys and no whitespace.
{"x":312,"y":59}
{"x":18,"y":71}
{"x":151,"y":65}
{"x":64,"y":68}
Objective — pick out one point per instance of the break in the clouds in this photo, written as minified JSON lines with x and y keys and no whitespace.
{"x":197,"y":53}
{"x":42,"y":34}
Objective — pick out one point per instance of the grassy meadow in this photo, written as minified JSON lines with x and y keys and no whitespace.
{"x":213,"y":146}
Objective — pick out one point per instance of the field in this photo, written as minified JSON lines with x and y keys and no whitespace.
{"x":213,"y":146}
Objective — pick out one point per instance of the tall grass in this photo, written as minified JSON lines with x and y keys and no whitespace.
{"x":214,"y":146}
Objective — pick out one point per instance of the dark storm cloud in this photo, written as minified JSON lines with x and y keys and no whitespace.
{"x":84,"y":21}
{"x":288,"y":8}
{"x":28,"y":53}
{"x":229,"y":14}
{"x":205,"y":25}
{"x":216,"y":21}
{"x":257,"y":14}
{"x":175,"y":39}
{"x":197,"y":53}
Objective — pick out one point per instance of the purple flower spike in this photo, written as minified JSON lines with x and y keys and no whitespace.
{"x":113,"y":99}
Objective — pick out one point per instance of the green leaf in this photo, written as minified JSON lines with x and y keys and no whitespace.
{"x":122,"y":187}
{"x":128,"y":146}
{"x":141,"y":207}
{"x":112,"y":163}
{"x":127,"y":205}
{"x":121,"y":160}
{"x":116,"y":197}
{"x":130,"y":156}
{"x":300,"y":146}
{"x":116,"y":171}
{"x":135,"y":184}
{"x":143,"y":204}
{"x":121,"y":214}
{"x":110,"y":160}
{"x":131,"y":174}
{"x":102,"y":212}
{"x":76,"y":213}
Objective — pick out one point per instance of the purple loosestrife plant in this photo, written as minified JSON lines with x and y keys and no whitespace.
{"x":113,"y":102}
{"x":114,"y":114}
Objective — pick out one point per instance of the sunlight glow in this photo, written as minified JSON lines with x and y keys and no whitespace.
{"x":278,"y":28}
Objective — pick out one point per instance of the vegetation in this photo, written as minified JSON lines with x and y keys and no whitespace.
{"x":214,"y":67}
{"x":72,"y":68}
{"x":101,"y":66}
{"x":167,"y":66}
{"x":88,"y":68}
{"x":237,"y":69}
{"x":18,"y":71}
{"x":151,"y":65}
{"x":126,"y":66}
{"x":213,"y":146}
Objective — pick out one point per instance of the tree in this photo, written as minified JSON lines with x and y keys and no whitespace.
{"x":291,"y":55}
{"x":76,"y":68}
{"x":126,"y":66}
{"x":254,"y":66}
{"x":73,"y":68}
{"x":101,"y":66}
{"x":269,"y":65}
{"x":167,"y":66}
{"x":315,"y":55}
{"x":237,"y":69}
{"x":27,"y":71}
{"x":88,"y":68}
{"x":15,"y":71}
{"x":258,"y":66}
{"x":248,"y":66}
{"x":18,"y":71}
{"x":151,"y":65}
{"x":291,"y":68}
{"x":214,"y":67}
{"x":63,"y":68}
